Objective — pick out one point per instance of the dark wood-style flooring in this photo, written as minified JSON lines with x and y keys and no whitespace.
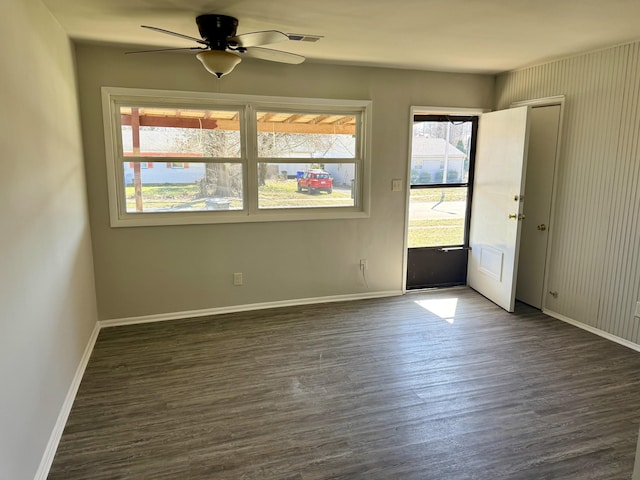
{"x":375,"y":389}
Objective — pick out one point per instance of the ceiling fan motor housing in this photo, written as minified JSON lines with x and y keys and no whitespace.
{"x":216,"y":29}
{"x":223,"y":48}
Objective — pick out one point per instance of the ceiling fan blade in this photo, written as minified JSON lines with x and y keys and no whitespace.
{"x":273,"y":55}
{"x":175,"y":34}
{"x":254,"y":39}
{"x":166,"y":50}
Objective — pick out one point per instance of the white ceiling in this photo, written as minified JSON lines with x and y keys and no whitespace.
{"x":480,"y":36}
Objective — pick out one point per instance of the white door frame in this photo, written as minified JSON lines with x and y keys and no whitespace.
{"x":546,"y":102}
{"x":416,"y":110}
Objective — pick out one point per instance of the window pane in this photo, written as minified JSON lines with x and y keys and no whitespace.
{"x":306,"y":185}
{"x":440,"y":152}
{"x":171,"y":132}
{"x":182,"y":187}
{"x":437,"y":217}
{"x":306,"y":135}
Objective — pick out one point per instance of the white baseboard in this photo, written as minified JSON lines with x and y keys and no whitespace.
{"x":56,"y":434}
{"x":636,"y":465}
{"x":597,"y":331}
{"x":161,"y":317}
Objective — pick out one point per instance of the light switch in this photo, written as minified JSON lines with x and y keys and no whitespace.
{"x":637,"y":309}
{"x":396,"y":185}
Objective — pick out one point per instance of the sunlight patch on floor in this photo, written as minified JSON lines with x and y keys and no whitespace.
{"x":444,"y":308}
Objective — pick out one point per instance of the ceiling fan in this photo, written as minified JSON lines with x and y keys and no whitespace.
{"x":221,"y":49}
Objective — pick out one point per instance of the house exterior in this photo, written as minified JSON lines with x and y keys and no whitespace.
{"x":434,"y":160}
{"x":160,"y":173}
{"x":162,"y":143}
{"x":342,"y":173}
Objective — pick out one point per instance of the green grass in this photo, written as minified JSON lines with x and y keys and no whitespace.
{"x":165,"y":197}
{"x":284,"y":193}
{"x":436,"y":232}
{"x":275,"y":194}
{"x":165,"y":192}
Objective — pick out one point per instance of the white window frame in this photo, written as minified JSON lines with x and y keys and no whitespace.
{"x":248,"y":105}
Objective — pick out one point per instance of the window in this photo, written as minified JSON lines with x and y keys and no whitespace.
{"x":441,"y":157}
{"x":313,"y":152}
{"x":209,"y":137}
{"x":231,"y":158}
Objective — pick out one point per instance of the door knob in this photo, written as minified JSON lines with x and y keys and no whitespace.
{"x":542,"y":226}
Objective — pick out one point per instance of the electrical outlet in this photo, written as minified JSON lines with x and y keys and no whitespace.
{"x":637,"y":309}
{"x":237,"y":279}
{"x":396,"y":185}
{"x":363,"y":264}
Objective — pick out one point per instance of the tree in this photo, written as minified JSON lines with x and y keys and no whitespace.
{"x":221,"y":179}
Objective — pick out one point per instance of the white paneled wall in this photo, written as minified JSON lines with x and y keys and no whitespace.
{"x":595,"y":262}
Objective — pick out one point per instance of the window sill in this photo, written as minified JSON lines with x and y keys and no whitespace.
{"x":212,"y":218}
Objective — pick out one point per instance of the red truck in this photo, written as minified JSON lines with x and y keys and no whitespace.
{"x":316,"y":181}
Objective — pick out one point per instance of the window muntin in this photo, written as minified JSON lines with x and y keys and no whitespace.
{"x":233,"y":141}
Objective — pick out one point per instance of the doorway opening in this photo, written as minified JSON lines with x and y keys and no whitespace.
{"x":544,"y":131}
{"x":441,"y":184}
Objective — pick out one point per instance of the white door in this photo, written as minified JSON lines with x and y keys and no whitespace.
{"x":496,"y":209}
{"x":541,"y":161}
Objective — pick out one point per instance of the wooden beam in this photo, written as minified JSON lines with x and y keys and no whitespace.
{"x":307,"y":128}
{"x":234,"y":125}
{"x":278,"y":127}
{"x":293,"y":118}
{"x":137,"y":179}
{"x":175,"y":122}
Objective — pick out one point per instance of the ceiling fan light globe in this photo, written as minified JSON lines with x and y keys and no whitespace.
{"x":218,"y":62}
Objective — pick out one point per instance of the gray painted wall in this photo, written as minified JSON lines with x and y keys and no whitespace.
{"x":595,"y":263}
{"x":152,"y":270}
{"x":47,"y":296}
